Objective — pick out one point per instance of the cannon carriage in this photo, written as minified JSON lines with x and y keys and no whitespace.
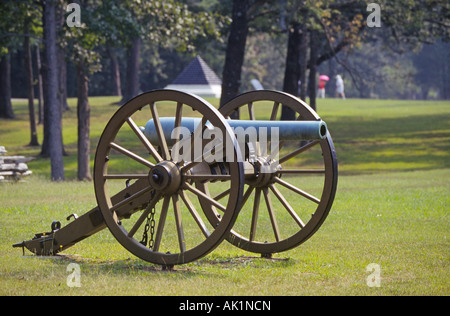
{"x":171,"y":189}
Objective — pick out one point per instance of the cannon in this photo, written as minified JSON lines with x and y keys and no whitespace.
{"x":172,"y":188}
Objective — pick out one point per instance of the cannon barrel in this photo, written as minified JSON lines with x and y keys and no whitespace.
{"x":287,"y":130}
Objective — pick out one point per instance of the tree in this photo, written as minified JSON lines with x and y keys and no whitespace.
{"x":81,"y":41}
{"x":19,"y":27}
{"x":7,"y":29}
{"x":231,"y":77}
{"x":29,"y":70}
{"x":326,"y":27}
{"x":293,"y":20}
{"x":61,"y":57}
{"x":103,"y":22}
{"x":433,"y":69}
{"x":163,"y":23}
{"x":295,"y":70}
{"x":264,"y":61}
{"x":313,"y":55}
{"x":243,"y":13}
{"x":6,"y":110}
{"x":365,"y":53}
{"x":52,"y":108}
{"x":413,"y":22}
{"x":83,"y":114}
{"x":115,"y":71}
{"x":132,"y":75}
{"x":40,"y":87}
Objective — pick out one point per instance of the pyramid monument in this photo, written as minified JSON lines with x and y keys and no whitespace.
{"x":198,"y":78}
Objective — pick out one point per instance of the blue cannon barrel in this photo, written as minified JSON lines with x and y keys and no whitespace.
{"x":287,"y":130}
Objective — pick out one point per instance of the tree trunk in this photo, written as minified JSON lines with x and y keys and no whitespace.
{"x":62,"y":74}
{"x":303,"y":62}
{"x":231,"y":77}
{"x":132,"y":84}
{"x":83,"y":112}
{"x":115,"y":72}
{"x":29,"y":70}
{"x":40,"y":87}
{"x":445,"y":90}
{"x":52,"y":108}
{"x":62,"y":63}
{"x":6,"y":110}
{"x":313,"y":46}
{"x":292,"y":71}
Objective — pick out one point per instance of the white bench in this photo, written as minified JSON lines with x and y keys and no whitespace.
{"x":13,"y":167}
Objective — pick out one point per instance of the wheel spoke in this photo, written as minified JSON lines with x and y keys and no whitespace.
{"x":247,"y":194}
{"x":195,"y":214}
{"x":190,"y":165}
{"x":286,"y":205}
{"x":255,"y":214}
{"x":222,"y":195}
{"x":273,"y":116}
{"x":301,"y":171}
{"x":131,"y":155}
{"x":244,"y":199}
{"x":152,"y":151}
{"x":297,"y":190}
{"x":130,"y":199}
{"x":207,"y":177}
{"x":273,"y":220}
{"x":178,"y":116}
{"x":179,"y":223}
{"x":161,"y":223}
{"x":275,"y":149}
{"x":219,"y":151}
{"x":160,"y":132}
{"x":204,"y":196}
{"x":251,"y":111}
{"x":125,"y":176}
{"x":298,"y":151}
{"x":197,"y":134}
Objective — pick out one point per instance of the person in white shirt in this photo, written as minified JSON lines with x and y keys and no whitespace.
{"x":340,"y":87}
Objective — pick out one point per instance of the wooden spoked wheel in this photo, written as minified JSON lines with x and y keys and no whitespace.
{"x":286,"y":205}
{"x":158,"y":218}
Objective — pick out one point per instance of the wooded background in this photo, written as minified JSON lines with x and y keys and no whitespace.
{"x":125,"y":47}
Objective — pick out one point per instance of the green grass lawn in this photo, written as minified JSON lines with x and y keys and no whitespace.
{"x":391,"y":209}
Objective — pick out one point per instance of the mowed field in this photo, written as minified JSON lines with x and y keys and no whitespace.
{"x":389,"y":222}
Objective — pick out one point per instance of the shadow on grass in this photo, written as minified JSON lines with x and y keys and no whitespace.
{"x":204,"y":266}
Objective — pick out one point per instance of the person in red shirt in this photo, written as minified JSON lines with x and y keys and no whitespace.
{"x":321,"y":91}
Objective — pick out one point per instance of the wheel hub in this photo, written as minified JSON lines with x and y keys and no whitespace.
{"x":165,"y":177}
{"x":265,"y":171}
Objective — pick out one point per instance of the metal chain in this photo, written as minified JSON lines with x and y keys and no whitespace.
{"x":152,"y":228}
{"x":144,"y":235}
{"x":150,"y":225}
